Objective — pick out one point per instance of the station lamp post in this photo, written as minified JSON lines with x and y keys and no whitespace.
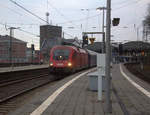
{"x":103,"y":9}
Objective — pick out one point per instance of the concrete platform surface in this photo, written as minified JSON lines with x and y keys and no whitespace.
{"x":76,"y":99}
{"x":135,"y":101}
{"x":9,"y":69}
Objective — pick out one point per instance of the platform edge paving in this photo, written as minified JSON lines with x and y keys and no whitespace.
{"x":132,"y":98}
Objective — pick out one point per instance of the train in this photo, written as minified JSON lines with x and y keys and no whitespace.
{"x":37,"y":58}
{"x":69,"y":59}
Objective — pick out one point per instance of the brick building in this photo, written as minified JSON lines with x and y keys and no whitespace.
{"x":49,"y":36}
{"x":18,"y":50}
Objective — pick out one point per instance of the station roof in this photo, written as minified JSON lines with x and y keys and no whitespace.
{"x":74,"y":42}
{"x":136,"y":45}
{"x":97,"y":47}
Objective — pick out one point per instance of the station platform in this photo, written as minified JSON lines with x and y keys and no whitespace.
{"x":19,"y":68}
{"x":71,"y":96}
{"x":133,"y":92}
{"x":75,"y":99}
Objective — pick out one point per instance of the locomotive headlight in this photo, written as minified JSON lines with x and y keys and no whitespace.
{"x":69,"y":64}
{"x":51,"y":64}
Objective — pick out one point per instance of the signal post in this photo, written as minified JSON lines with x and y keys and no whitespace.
{"x":100,"y":61}
{"x":85,"y":37}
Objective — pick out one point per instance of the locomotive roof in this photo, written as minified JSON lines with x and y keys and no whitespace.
{"x":72,"y":47}
{"x":92,"y":52}
{"x":61,"y":46}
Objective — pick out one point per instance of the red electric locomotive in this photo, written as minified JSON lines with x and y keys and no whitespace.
{"x":67,"y":59}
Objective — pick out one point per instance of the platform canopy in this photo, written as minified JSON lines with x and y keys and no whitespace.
{"x":136,"y":45}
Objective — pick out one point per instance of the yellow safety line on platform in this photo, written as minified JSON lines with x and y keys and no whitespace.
{"x":147,"y":93}
{"x":51,"y":98}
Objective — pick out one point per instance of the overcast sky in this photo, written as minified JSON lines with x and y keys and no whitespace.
{"x":68,"y":13}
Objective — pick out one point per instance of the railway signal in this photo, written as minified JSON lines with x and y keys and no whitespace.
{"x":85,"y":39}
{"x":116,"y":21}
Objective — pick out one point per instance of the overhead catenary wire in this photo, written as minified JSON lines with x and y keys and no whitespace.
{"x":59,"y":23}
{"x":12,"y":10}
{"x":62,"y":14}
{"x":36,"y":35}
{"x":125,"y":5}
{"x":68,"y":34}
{"x":33,"y":14}
{"x":25,"y":24}
{"x":120,"y":2}
{"x":29,"y":13}
{"x":90,"y":17}
{"x":123,"y":2}
{"x":19,"y":29}
{"x":78,"y":20}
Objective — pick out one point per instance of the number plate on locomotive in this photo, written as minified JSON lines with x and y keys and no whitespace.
{"x":60,"y":64}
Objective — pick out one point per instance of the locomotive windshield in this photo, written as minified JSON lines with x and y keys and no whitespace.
{"x":61,"y":54}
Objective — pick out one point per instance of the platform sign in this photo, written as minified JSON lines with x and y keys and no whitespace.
{"x":92,"y":40}
{"x":101,"y":63}
{"x":101,"y":73}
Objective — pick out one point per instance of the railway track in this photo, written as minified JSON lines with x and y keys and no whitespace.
{"x":11,"y":88}
{"x":140,"y":74}
{"x":16,"y":75}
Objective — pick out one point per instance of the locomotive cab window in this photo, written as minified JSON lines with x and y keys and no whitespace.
{"x":61,"y":54}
